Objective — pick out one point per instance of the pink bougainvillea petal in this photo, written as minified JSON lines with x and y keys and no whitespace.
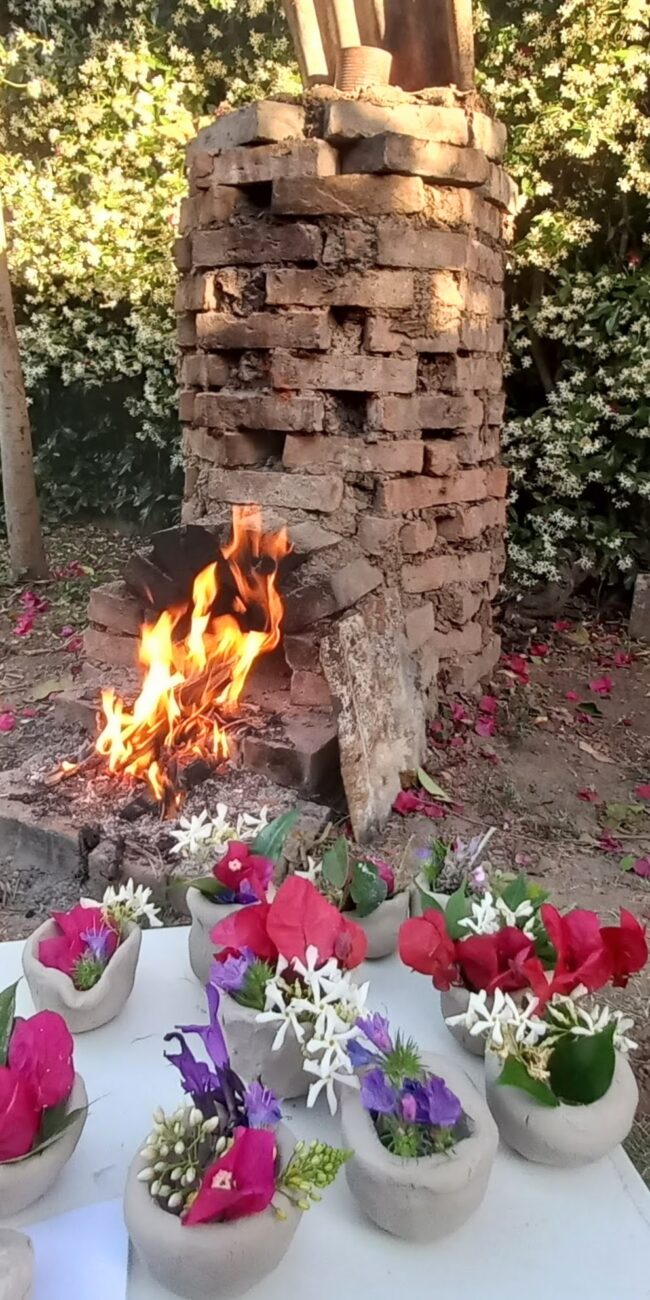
{"x":623,"y":659}
{"x":608,"y":843}
{"x":562,"y":625}
{"x":247,"y":928}
{"x":589,"y":795}
{"x":641,"y":867}
{"x":540,"y":650}
{"x":40,"y":1051}
{"x":7,"y":721}
{"x":20,"y":1115}
{"x":299,"y":917}
{"x":571,"y":695}
{"x":425,"y":946}
{"x":485,"y":726}
{"x":642,"y":791}
{"x":240,"y":1183}
{"x":601,"y":686}
{"x":488,"y":704}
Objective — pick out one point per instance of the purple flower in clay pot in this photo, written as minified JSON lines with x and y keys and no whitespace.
{"x":376,"y":1030}
{"x":435,"y":1103}
{"x":262,"y":1106}
{"x":229,"y":974}
{"x":377,"y":1094}
{"x":359,"y":1055}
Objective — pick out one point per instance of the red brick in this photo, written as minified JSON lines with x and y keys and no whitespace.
{"x":471,"y":522}
{"x":471,"y":448}
{"x":429,"y":411}
{"x":186,"y":331}
{"x":269,"y":162}
{"x":489,"y":135}
{"x":342,"y":373}
{"x":322,"y":492}
{"x":458,"y":604}
{"x":399,"y":244}
{"x":186,"y":406}
{"x":465,"y":641}
{"x":201,"y":371}
{"x":443,"y":570}
{"x":250,"y":410}
{"x":347,"y":244}
{"x":458,"y":207}
{"x":347,"y":120}
{"x":418,"y":493}
{"x":434,"y":161}
{"x":114,"y":607}
{"x":418,"y":536}
{"x":353,"y":581}
{"x":376,"y":534}
{"x":231,"y":448}
{"x":481,"y":299}
{"x":262,"y":122}
{"x":348,"y":196}
{"x":494,"y":408}
{"x":195,"y":293}
{"x":465,"y":675}
{"x":327,"y":288}
{"x":478,"y":336}
{"x":218,"y":203}
{"x":354,"y":455}
{"x":440,"y":457}
{"x":392,"y":335}
{"x":419,"y":625}
{"x":486,"y":262}
{"x":471,"y":373}
{"x":107,"y":648}
{"x":265,"y":242}
{"x":499,"y":189}
{"x":303,"y":757}
{"x":496,"y":481}
{"x":183,"y":254}
{"x":297,"y":329}
{"x":310,"y":690}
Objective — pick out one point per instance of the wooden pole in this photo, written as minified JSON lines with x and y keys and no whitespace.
{"x":461,"y":43}
{"x":371,"y":20}
{"x":325,"y":19}
{"x":22,"y":516}
{"x":307,"y":41}
{"x":344,"y":21}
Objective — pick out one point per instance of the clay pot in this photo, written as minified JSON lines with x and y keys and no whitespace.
{"x":420,"y":1200}
{"x":382,"y":925}
{"x":359,"y":66}
{"x":16,"y":1265}
{"x":205,"y":915}
{"x":51,"y":990}
{"x":251,"y":1051}
{"x":422,"y":897}
{"x":565,"y":1136}
{"x":452,"y":1003}
{"x":212,"y":1260}
{"x":23,"y":1181}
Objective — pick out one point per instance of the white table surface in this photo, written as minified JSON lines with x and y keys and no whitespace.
{"x":540,"y":1234}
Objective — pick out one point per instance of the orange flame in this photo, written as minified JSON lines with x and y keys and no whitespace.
{"x":191,"y":686}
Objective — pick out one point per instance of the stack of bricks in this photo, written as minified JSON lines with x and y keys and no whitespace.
{"x":341,"y":320}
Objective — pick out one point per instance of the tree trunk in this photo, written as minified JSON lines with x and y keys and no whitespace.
{"x":26,"y":553}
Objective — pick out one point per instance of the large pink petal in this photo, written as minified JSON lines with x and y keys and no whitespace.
{"x":300,"y":917}
{"x":247,"y":928}
{"x":20,"y":1115}
{"x":40,"y":1051}
{"x":241,"y":1183}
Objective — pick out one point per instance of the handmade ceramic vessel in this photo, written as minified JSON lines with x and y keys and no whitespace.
{"x":213,"y":1260}
{"x":205,"y":915}
{"x":23,"y":1181}
{"x":565,"y":1136}
{"x":420,"y":1200}
{"x":51,"y":990}
{"x":454,"y":1002}
{"x":251,"y":1051}
{"x":16,"y":1265}
{"x":422,"y":897}
{"x":382,"y":925}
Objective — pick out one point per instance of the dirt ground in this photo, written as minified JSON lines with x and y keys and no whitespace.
{"x":555,"y":754}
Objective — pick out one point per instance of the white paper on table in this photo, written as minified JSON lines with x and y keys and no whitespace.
{"x":81,"y":1254}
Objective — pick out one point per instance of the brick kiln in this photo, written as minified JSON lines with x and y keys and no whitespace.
{"x":340,"y":315}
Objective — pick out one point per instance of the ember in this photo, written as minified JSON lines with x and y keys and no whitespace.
{"x":194,"y":678}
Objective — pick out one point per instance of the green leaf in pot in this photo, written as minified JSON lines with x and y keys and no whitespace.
{"x":367,"y":888}
{"x":270,"y":841}
{"x":458,"y":907}
{"x":581,"y":1069}
{"x":7,"y":1017}
{"x":336,"y":863}
{"x":54,"y":1123}
{"x":515,"y":1075}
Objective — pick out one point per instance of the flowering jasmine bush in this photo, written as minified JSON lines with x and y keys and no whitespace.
{"x":36,"y":1079}
{"x":90,"y":934}
{"x":290,"y":960}
{"x":243,"y":871}
{"x":414,"y":1113}
{"x":215,"y":1158}
{"x":350,"y":882}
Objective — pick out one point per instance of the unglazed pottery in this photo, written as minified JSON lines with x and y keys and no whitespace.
{"x":205,"y":915}
{"x":251,"y":1051}
{"x":382,"y":925}
{"x":16,"y":1265}
{"x":565,"y":1136}
{"x":420,"y":1200}
{"x":212,"y":1260}
{"x":453,"y":1002}
{"x":422,"y":897}
{"x":82,"y":1010}
{"x":23,"y":1181}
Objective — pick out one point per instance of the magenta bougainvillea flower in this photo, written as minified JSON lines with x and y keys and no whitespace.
{"x":239,"y":1184}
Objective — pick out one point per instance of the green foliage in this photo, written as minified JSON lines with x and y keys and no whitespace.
{"x":97,"y":104}
{"x":253,"y":990}
{"x":270,"y":841}
{"x":403,"y":1062}
{"x":367,"y":889}
{"x":310,"y":1170}
{"x":515,"y":1075}
{"x":581,"y":1069}
{"x":87,"y":972}
{"x":458,"y":907}
{"x":336,"y":863}
{"x":571,"y":82}
{"x":7,"y":1016}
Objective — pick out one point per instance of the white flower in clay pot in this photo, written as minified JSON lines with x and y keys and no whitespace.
{"x":364,"y":889}
{"x":82,"y":963}
{"x":423,"y":1140}
{"x":216,"y":1194}
{"x":557,"y":1077}
{"x":43,"y":1104}
{"x":290,"y":1000}
{"x":477,"y":944}
{"x":244,"y":859}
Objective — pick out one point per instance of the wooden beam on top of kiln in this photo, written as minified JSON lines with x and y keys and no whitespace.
{"x":307,"y":41}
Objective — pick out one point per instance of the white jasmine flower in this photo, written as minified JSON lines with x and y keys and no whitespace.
{"x":248,"y":826}
{"x":312,"y":871}
{"x":523,"y":912}
{"x":485,"y":918}
{"x":327,"y":1078}
{"x":280,"y":1011}
{"x":481,"y":1018}
{"x":192,"y":834}
{"x":131,"y":903}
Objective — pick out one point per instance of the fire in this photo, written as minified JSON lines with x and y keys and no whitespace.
{"x":192,"y":684}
